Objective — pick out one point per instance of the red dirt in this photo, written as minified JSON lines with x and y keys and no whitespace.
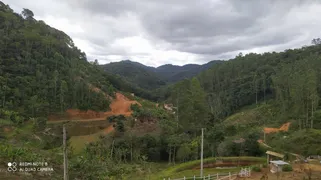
{"x":7,"y":129}
{"x":108,"y":129}
{"x":119,"y":106}
{"x":284,"y":127}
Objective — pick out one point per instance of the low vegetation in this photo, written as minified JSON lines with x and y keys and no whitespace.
{"x":287,"y":168}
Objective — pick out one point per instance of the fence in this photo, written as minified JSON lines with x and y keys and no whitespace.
{"x":245,"y":172}
{"x":218,"y":176}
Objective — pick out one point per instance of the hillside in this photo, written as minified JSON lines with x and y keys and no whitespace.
{"x":115,"y":129}
{"x":135,"y":73}
{"x":42,"y":72}
{"x":152,"y":78}
{"x":43,"y":75}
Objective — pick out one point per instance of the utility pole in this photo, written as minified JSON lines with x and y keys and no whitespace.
{"x":202,"y":152}
{"x":65,"y":153}
{"x":177,"y":109}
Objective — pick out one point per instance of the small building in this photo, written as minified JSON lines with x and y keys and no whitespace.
{"x":276,"y":166}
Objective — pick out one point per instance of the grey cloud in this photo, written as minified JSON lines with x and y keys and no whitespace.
{"x":208,"y":29}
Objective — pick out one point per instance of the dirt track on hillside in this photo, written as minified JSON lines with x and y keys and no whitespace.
{"x":119,"y":106}
{"x":284,"y":127}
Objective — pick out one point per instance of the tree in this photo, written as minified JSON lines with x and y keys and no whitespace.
{"x":27,"y":14}
{"x":198,"y":104}
{"x":316,"y":41}
{"x":184,"y":152}
{"x":252,"y":146}
{"x":214,"y":137}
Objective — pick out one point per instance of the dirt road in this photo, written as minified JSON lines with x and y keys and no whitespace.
{"x":119,"y":106}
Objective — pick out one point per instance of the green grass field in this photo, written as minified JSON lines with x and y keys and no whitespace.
{"x":188,"y":168}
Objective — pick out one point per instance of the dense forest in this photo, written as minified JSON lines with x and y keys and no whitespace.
{"x":291,"y":77}
{"x":43,"y":72}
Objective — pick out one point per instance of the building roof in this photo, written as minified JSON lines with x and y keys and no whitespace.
{"x":278,"y":162}
{"x":275,"y":154}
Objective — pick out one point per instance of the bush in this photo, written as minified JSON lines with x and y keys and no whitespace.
{"x":256,"y":169}
{"x":120,"y":126}
{"x":13,"y":116}
{"x":40,"y":123}
{"x":287,"y":168}
{"x":111,"y":118}
{"x":115,"y":118}
{"x":135,"y":107}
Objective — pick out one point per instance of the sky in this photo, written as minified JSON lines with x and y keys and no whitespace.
{"x":157,"y":32}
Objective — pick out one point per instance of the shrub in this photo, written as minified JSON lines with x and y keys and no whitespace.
{"x":12,"y":116}
{"x":120,"y":126}
{"x":40,"y":123}
{"x":135,"y":107}
{"x":111,"y":118}
{"x":256,"y":169}
{"x":114,"y":118}
{"x":287,"y":168}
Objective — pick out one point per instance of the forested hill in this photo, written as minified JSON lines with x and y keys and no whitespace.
{"x":43,"y":72}
{"x":151,"y":77}
{"x":137,"y":73}
{"x":291,"y":79}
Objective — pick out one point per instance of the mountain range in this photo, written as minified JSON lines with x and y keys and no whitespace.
{"x":154,"y":77}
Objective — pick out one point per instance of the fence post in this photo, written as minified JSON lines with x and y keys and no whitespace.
{"x":184,"y":178}
{"x":194,"y":177}
{"x":209,"y":176}
{"x":229,"y":175}
{"x":217,"y":176}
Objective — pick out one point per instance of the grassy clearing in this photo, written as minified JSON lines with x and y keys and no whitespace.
{"x":5,"y":122}
{"x":83,"y":132}
{"x":309,"y":141}
{"x":78,"y":143}
{"x":180,"y":168}
{"x":206,"y":172}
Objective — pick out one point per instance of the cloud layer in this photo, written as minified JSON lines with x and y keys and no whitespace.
{"x":179,"y":31}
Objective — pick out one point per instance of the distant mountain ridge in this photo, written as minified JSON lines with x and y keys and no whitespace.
{"x":154,"y":77}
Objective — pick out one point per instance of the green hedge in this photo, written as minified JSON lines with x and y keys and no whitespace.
{"x":256,"y":169}
{"x":287,"y":168}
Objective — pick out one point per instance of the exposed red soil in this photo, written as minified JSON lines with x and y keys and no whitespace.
{"x":119,"y":106}
{"x":108,"y":129}
{"x":7,"y":129}
{"x":284,"y":127}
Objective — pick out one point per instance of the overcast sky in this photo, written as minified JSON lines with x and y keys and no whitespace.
{"x":157,"y":32}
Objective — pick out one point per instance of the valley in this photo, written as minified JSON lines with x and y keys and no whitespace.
{"x":126,"y":120}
